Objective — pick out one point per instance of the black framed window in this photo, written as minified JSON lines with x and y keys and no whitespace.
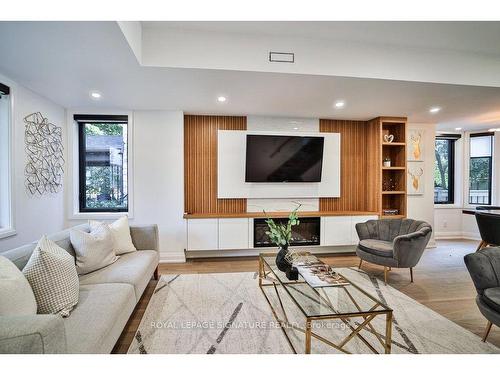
{"x":444,"y":171}
{"x":480,"y":168}
{"x":103,"y":163}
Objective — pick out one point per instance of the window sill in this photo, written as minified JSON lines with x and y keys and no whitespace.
{"x":99,"y":215}
{"x":448,"y":206}
{"x":7,"y":232}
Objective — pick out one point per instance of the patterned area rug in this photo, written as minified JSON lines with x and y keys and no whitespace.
{"x":227,"y":313}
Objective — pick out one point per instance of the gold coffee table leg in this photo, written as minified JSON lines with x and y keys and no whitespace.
{"x":388,"y":333}
{"x":308,"y":336}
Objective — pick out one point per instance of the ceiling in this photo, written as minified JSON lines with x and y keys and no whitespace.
{"x":477,"y":37}
{"x":64,"y":61}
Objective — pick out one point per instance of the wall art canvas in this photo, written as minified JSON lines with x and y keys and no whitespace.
{"x":415,"y":178}
{"x":45,"y":155}
{"x":416,"y":145}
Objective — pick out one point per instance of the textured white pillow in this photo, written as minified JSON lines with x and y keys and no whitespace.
{"x":121,"y":234}
{"x":52,"y":275}
{"x":93,"y":250}
{"x":16,"y":295}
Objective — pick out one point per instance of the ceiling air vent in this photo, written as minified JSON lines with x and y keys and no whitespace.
{"x":282,"y":57}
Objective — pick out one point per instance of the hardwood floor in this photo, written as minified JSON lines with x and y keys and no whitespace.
{"x":442,"y":283}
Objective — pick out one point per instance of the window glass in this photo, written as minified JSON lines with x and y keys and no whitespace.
{"x":103,"y":166}
{"x":5,"y":201}
{"x":443,"y":171}
{"x":480,"y":169}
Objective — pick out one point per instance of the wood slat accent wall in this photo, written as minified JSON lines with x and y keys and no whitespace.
{"x":373,"y":170}
{"x":358,"y":176}
{"x":200,"y":164}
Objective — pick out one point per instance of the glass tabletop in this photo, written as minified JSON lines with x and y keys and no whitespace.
{"x":344,"y":300}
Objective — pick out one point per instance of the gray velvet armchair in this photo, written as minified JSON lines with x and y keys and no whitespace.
{"x":391,"y":243}
{"x":484,"y":269}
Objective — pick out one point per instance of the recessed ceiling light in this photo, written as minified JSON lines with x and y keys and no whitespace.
{"x":339,"y":104}
{"x":494,"y":130}
{"x":95,"y":95}
{"x":457,"y":129}
{"x":295,"y":128}
{"x":434,"y":109}
{"x":221,"y":99}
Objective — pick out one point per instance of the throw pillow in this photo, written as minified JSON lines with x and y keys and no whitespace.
{"x":121,"y":235}
{"x":16,"y":295}
{"x":52,"y":275}
{"x":93,"y":250}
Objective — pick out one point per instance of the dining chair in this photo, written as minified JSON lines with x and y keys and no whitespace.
{"x":489,"y":229}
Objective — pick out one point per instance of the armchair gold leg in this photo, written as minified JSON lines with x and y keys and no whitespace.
{"x":385,"y":275}
{"x":411,"y":274}
{"x":488,"y":329}
{"x":482,"y":244}
{"x":360,"y":262}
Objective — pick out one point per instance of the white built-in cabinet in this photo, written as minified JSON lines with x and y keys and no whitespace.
{"x":203,"y":234}
{"x":237,"y":233}
{"x":233,"y":233}
{"x":341,"y":230}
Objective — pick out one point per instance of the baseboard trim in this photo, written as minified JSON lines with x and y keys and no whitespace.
{"x":471,"y":236}
{"x":172,"y":258}
{"x":448,"y":235}
{"x":457,"y":236}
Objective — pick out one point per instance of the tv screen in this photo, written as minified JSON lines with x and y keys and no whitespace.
{"x":278,"y":158}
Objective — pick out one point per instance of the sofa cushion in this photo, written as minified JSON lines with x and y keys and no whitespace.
{"x":99,"y":318}
{"x":93,"y":250}
{"x":52,"y":275}
{"x":492,"y":298}
{"x":133,"y":268}
{"x":121,"y":234}
{"x":377,"y":247}
{"x":16,"y":295}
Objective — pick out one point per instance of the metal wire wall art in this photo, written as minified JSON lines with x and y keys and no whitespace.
{"x":45,"y":155}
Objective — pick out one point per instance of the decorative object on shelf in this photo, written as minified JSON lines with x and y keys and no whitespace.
{"x":390,"y":212}
{"x":280,"y":235}
{"x":387,"y":162}
{"x":416,"y":180}
{"x":44,"y":167}
{"x":389,"y":184}
{"x":388,"y":138}
{"x":416,"y":149}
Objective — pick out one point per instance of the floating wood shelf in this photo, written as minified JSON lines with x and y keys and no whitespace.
{"x":393,"y":144}
{"x":277,"y":214}
{"x":393,"y":168}
{"x":394,"y":192}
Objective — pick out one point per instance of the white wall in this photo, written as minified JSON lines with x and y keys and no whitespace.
{"x":421,"y":207}
{"x":159,"y":178}
{"x":33,"y":216}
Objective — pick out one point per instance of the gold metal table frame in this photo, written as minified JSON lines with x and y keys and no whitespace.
{"x":269,"y":275}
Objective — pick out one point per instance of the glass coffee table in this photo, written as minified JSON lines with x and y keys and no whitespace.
{"x":349,"y":304}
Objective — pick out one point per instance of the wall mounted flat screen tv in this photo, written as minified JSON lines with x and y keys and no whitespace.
{"x":280,"y":158}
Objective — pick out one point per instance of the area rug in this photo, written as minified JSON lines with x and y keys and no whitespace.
{"x":226,"y":313}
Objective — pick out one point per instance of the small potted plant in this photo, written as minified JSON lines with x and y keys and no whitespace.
{"x":281,"y":234}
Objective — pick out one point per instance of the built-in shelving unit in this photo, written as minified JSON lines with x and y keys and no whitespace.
{"x":393,"y":178}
